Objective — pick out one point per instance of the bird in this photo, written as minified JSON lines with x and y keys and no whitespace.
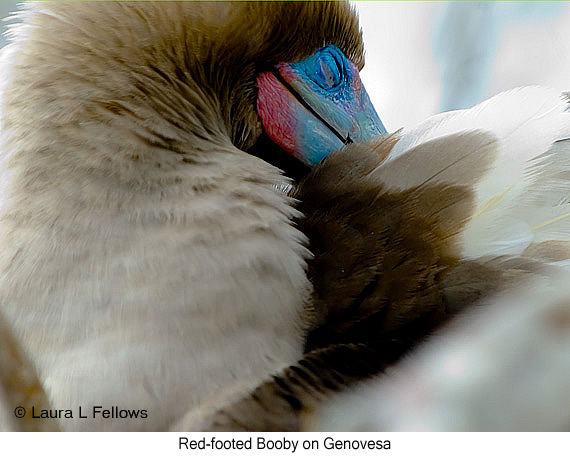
{"x":459,"y":218}
{"x":156,"y":260}
{"x":150,"y":259}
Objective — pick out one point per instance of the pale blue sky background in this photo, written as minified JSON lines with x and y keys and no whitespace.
{"x":424,"y":57}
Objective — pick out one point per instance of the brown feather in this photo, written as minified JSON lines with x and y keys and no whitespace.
{"x":380,"y":253}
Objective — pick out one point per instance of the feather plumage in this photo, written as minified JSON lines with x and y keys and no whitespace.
{"x":522,"y":199}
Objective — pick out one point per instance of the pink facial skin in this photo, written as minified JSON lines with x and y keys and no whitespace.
{"x":290,"y":125}
{"x":276,"y":107}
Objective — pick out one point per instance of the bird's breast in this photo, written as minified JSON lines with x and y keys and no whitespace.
{"x":156,"y":305}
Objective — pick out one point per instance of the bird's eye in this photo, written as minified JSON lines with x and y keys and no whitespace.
{"x":325,"y":67}
{"x":329,"y":75}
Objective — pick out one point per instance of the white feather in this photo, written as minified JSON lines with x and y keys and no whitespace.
{"x":523,"y":197}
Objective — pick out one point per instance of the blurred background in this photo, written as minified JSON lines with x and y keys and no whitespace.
{"x":427,"y":57}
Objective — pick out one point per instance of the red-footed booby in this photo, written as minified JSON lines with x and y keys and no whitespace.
{"x":148,"y":262}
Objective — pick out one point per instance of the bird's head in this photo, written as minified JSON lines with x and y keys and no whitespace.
{"x":279,"y":80}
{"x":291,"y":71}
{"x":309,"y":97}
{"x":314,"y":105}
